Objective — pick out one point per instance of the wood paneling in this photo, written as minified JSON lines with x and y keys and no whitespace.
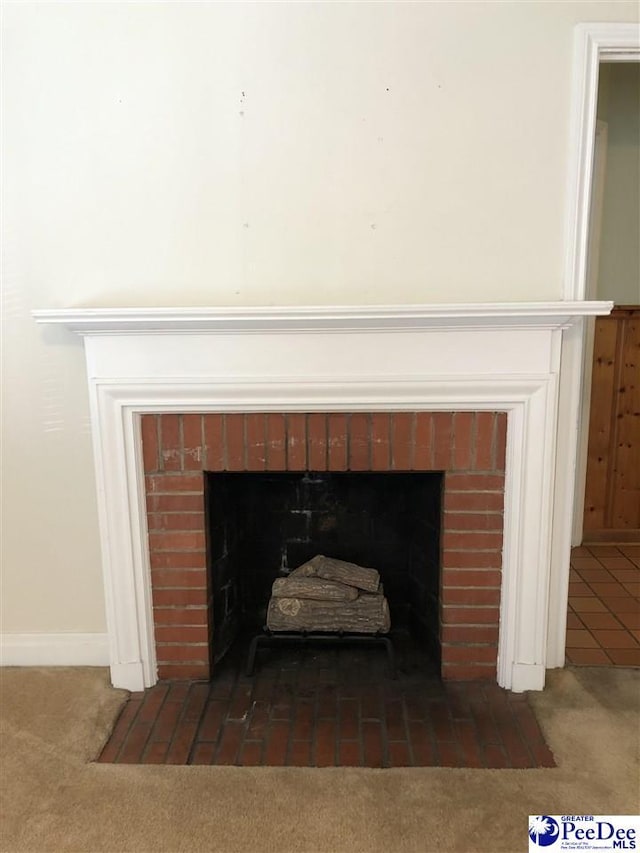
{"x":612,"y":498}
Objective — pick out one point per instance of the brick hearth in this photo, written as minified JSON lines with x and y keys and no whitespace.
{"x":310,"y":707}
{"x":469,"y":447}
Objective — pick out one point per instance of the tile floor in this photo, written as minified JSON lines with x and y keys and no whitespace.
{"x":603,"y":621}
{"x":320,"y":707}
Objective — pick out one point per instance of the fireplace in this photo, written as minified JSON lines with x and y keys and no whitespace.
{"x":443,"y":364}
{"x":263,"y":526}
{"x":455,"y":576}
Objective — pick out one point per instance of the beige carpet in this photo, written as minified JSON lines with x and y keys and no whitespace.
{"x":54,"y":721}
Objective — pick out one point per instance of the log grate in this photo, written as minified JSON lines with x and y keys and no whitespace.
{"x":267,"y":638}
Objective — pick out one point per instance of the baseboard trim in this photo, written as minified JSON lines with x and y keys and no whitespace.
{"x":54,"y":650}
{"x":610,"y":537}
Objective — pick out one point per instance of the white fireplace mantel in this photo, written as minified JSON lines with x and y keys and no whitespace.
{"x":332,"y":358}
{"x":326,"y":318}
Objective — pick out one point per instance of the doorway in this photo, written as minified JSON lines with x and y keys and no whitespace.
{"x":603,"y":622}
{"x":608,"y":484}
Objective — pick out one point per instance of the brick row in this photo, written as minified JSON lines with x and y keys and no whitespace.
{"x":176,"y":502}
{"x":178,"y":482}
{"x":177,"y":540}
{"x":182,"y":652}
{"x":176,"y":521}
{"x":479,"y":615}
{"x":471,"y":577}
{"x":173,"y":671}
{"x":182,"y":634}
{"x":472,"y":634}
{"x":184,"y":616}
{"x":193,"y":559}
{"x":179,"y":579}
{"x":471,"y":540}
{"x":454,"y":522}
{"x":378,"y":441}
{"x":472,"y":596}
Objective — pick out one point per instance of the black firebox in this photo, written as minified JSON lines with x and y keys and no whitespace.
{"x":263,"y":525}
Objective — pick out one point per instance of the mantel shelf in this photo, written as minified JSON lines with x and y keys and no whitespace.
{"x":320,"y":318}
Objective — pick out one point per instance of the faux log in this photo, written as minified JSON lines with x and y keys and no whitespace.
{"x":347,"y":573}
{"x":319,"y":589}
{"x":368,"y":614}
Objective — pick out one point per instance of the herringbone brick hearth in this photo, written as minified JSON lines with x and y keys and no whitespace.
{"x":324,"y":707}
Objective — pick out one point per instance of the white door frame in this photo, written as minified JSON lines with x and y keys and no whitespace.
{"x":595,"y":229}
{"x":594,"y":43}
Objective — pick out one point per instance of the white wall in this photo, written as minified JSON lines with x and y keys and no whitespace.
{"x":178,"y":154}
{"x":619,"y":107}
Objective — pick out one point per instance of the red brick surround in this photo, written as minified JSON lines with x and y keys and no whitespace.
{"x":468,"y":446}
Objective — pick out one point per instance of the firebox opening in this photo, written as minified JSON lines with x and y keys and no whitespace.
{"x":261,"y":526}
